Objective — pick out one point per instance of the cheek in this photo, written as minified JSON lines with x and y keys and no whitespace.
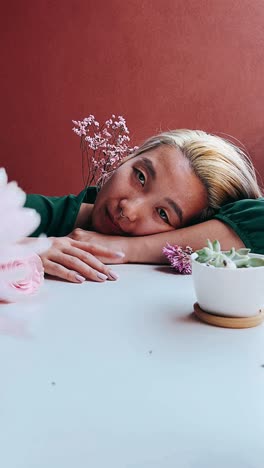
{"x":105,"y":193}
{"x":114,"y":186}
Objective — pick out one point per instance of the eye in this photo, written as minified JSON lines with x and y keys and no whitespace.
{"x":140,"y":176}
{"x":163,"y":215}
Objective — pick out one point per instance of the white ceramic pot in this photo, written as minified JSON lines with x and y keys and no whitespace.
{"x":228,"y":292}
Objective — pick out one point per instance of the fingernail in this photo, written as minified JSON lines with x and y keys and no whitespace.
{"x":80,"y":278}
{"x":120,"y":254}
{"x":112,"y":275}
{"x":102,"y":276}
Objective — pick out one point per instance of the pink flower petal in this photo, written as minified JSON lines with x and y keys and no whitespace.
{"x":10,"y":291}
{"x":179,"y":258}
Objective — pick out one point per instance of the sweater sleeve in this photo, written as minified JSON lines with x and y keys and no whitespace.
{"x":246,"y":218}
{"x":58,"y":214}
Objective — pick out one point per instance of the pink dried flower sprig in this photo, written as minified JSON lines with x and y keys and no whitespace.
{"x":103,"y":147}
{"x":179,"y":258}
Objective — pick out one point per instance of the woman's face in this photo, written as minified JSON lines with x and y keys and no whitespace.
{"x":154,"y":192}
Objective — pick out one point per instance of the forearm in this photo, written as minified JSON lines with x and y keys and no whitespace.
{"x":148,"y":249}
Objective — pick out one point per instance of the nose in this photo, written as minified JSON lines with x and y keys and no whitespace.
{"x":132,"y":209}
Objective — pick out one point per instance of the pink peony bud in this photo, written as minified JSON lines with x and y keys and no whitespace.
{"x":20,"y":278}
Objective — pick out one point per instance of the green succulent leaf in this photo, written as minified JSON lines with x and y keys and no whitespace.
{"x":212,"y":255}
{"x":216,"y":246}
{"x":210,"y":245}
{"x":242,"y":251}
{"x":256,"y":262}
{"x":230,"y":253}
{"x":242,"y":263}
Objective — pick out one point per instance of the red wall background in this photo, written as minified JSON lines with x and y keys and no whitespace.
{"x":161,"y":64}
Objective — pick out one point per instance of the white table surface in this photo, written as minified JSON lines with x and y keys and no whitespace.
{"x":121,"y":375}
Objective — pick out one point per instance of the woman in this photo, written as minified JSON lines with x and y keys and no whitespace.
{"x":180,"y":187}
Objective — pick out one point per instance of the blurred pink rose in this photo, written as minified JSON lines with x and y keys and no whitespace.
{"x":21,"y":277}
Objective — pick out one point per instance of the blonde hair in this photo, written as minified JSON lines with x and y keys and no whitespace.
{"x":225,"y":170}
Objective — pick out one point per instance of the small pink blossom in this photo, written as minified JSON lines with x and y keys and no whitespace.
{"x":103,"y":147}
{"x":179,"y":258}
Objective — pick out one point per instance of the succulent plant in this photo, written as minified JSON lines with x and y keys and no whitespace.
{"x":213,"y":256}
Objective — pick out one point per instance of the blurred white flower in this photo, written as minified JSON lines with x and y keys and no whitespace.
{"x":21,"y":270}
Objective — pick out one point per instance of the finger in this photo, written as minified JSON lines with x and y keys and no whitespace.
{"x":86,"y":264}
{"x":97,"y":249}
{"x":61,"y":271}
{"x":54,"y":269}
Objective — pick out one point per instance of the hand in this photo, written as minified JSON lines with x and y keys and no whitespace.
{"x":77,"y":261}
{"x":115,"y":243}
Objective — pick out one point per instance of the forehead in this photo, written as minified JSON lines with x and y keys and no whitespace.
{"x":168,"y":162}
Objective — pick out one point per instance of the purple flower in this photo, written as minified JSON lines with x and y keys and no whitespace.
{"x":179,"y":258}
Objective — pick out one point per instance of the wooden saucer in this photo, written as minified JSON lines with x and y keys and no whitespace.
{"x":228,"y":322}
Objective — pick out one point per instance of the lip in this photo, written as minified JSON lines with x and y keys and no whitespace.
{"x":114,"y":226}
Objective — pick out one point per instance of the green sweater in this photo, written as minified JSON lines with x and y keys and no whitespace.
{"x":58,"y":216}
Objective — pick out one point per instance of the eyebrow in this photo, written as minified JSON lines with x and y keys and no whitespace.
{"x":150,"y":168}
{"x":176,"y":208}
